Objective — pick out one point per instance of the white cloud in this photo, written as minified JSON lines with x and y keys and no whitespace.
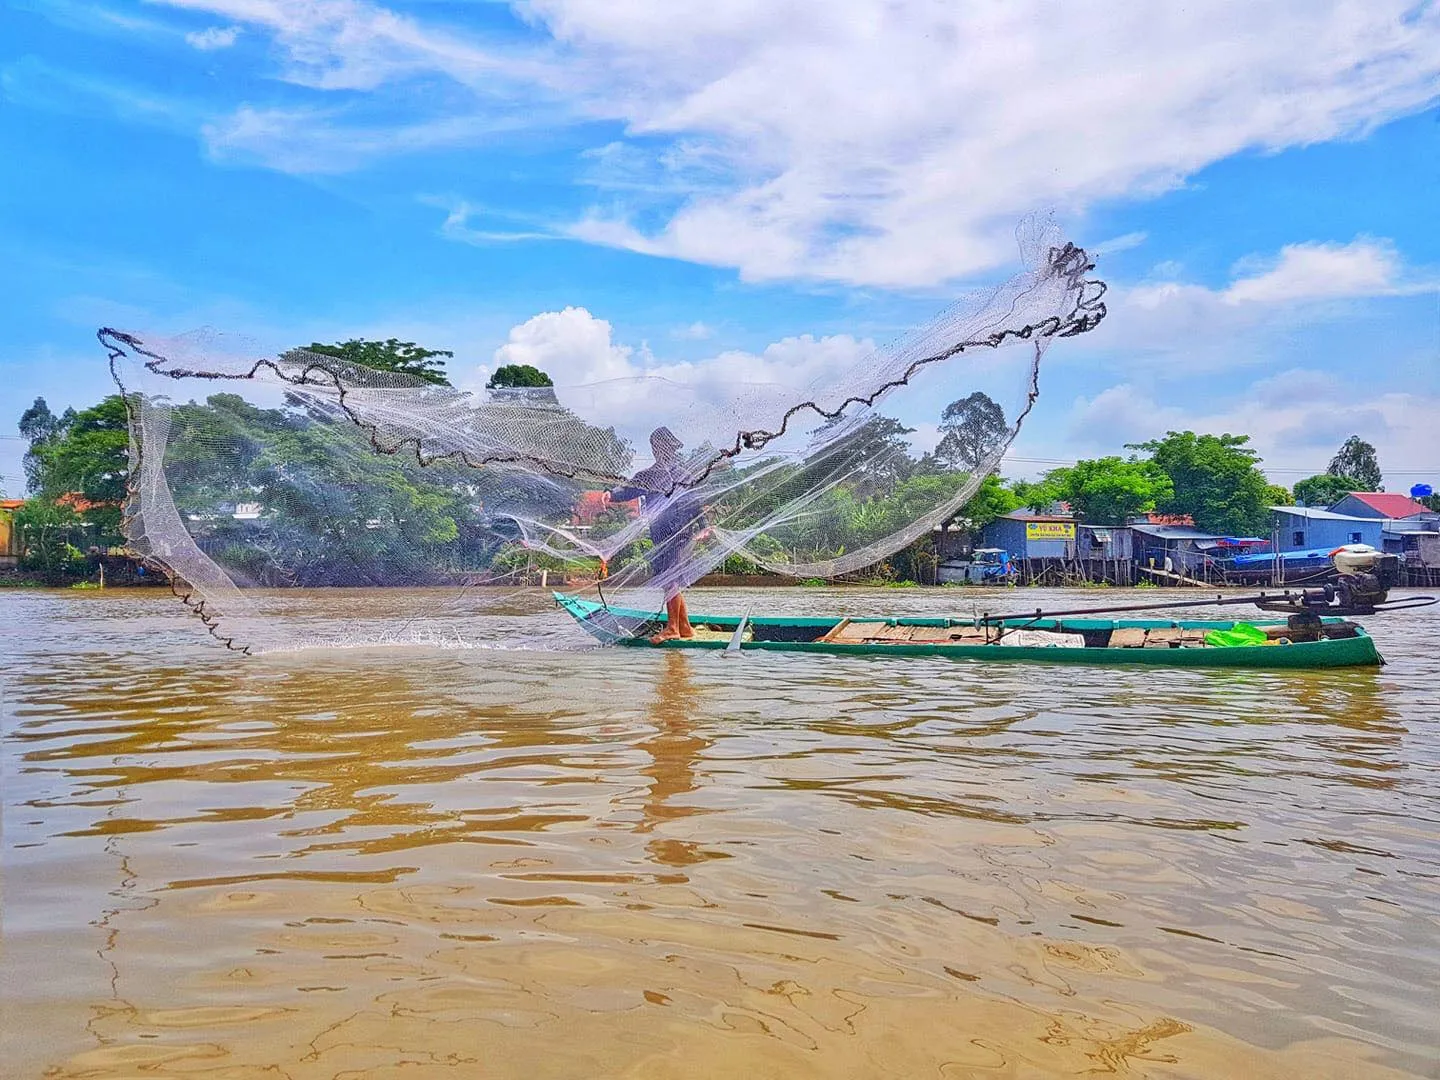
{"x":354,"y":45}
{"x":696,"y":331}
{"x":627,"y":387}
{"x":576,"y":348}
{"x":308,"y":140}
{"x":883,"y":143}
{"x":213,"y":38}
{"x":1118,"y":244}
{"x":1246,"y":320}
{"x":572,"y":346}
{"x":1296,"y":421}
{"x":456,"y":226}
{"x":1324,"y":271}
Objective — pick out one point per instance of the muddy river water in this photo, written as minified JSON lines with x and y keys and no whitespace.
{"x":408,"y":863}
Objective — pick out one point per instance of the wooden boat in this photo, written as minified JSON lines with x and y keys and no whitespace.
{"x":1157,"y":642}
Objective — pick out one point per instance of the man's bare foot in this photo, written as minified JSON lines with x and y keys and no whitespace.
{"x":668,"y":634}
{"x":687,"y":631}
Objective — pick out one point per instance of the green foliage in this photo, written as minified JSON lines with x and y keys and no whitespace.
{"x":404,"y":357}
{"x":1037,"y":496}
{"x":1108,"y":490}
{"x":332,"y":510}
{"x":1278,"y":495}
{"x":87,"y":454}
{"x":39,"y":425}
{"x":872,"y":460}
{"x":814,"y":583}
{"x":970,"y":430}
{"x":46,"y":533}
{"x":739,"y":565}
{"x":517,"y":557}
{"x":517,"y":375}
{"x":991,"y":500}
{"x":1356,"y":458}
{"x":1325,"y":489}
{"x":1214,"y":479}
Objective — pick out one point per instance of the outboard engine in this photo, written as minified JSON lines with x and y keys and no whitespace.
{"x":1365,"y":575}
{"x":1364,"y":578}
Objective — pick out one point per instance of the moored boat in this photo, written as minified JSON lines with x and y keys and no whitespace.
{"x":1322,"y":643}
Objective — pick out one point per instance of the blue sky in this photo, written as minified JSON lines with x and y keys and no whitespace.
{"x":605,"y":187}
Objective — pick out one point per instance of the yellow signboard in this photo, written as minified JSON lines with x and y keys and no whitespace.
{"x":1049,"y":530}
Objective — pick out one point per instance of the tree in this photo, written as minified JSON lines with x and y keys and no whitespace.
{"x":45,"y":532}
{"x":1278,"y":495}
{"x":1109,"y":490}
{"x":970,"y":429}
{"x":1215,"y":481}
{"x":1325,"y":489}
{"x":991,"y":500}
{"x":1356,"y":458}
{"x":1037,"y":496}
{"x":89,"y":457}
{"x":39,"y":425}
{"x":404,"y":357}
{"x":511,"y":376}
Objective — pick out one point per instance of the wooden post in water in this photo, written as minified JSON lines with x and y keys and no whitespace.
{"x":1277,"y":564}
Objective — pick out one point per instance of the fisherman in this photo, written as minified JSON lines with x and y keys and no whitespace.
{"x":676,"y":519}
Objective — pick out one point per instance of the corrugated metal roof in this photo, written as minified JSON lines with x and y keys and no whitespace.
{"x":1389,"y":503}
{"x":1410,"y":525}
{"x":1316,"y":514}
{"x":1175,"y":532}
{"x":1020,"y":515}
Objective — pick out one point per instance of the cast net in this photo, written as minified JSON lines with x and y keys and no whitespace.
{"x":409,"y":504}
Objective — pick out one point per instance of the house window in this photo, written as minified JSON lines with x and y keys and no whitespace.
{"x":1354,"y":538}
{"x":1298,"y":538}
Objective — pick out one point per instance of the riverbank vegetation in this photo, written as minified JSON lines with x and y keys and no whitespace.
{"x":393,"y":515}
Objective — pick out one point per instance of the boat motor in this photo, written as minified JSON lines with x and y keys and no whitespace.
{"x":1365,"y":575}
{"x":1363,"y":580}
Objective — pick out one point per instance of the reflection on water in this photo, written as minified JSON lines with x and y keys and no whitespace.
{"x":412,"y":862}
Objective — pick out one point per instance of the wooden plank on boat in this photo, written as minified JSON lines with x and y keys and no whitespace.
{"x":888,"y":633}
{"x":851,"y":632}
{"x":952,"y":635}
{"x":1174,"y":637}
{"x":1127,"y":637}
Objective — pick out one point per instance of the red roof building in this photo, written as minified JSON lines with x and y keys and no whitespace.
{"x":1379,"y":504}
{"x":1153,"y":518}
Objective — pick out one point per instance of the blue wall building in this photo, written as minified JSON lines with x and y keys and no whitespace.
{"x":1032,"y":536}
{"x":1298,"y":528}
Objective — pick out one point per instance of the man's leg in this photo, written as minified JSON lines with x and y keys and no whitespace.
{"x":682,"y":617}
{"x":672,"y":620}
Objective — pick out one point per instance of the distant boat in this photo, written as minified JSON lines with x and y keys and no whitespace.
{"x":1156,"y":642}
{"x":1312,"y":565}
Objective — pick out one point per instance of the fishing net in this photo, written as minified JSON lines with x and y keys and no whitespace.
{"x":412,"y":505}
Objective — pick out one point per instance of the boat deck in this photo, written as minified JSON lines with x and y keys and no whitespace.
{"x":1333,"y":643}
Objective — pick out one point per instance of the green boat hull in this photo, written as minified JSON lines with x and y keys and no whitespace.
{"x":605,"y":623}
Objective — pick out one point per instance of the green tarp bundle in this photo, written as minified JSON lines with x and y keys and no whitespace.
{"x":1239,"y":634}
